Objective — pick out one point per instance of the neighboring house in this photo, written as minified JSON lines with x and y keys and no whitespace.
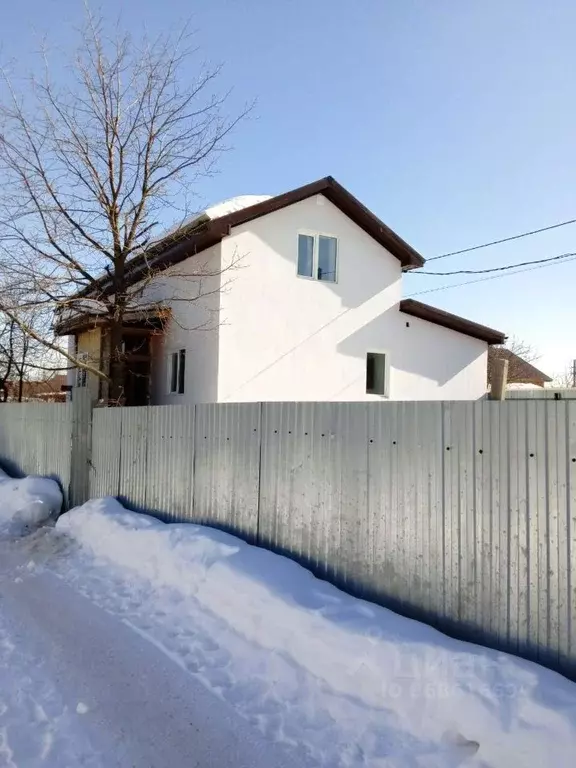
{"x":294,"y":297}
{"x":520,"y":371}
{"x":44,"y":390}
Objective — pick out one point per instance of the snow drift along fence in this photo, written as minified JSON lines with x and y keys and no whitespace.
{"x":460,"y":514}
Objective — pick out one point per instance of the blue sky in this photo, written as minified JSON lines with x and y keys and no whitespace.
{"x":453,"y":121}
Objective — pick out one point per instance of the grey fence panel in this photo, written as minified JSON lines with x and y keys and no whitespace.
{"x":105,"y":459}
{"x":539,"y":393}
{"x":134,"y":456}
{"x":313,"y":486}
{"x":36,"y":438}
{"x":405,"y":474}
{"x":170,"y":481}
{"x":458,"y":502}
{"x":568,"y":551}
{"x":226,"y":466}
{"x":80,"y":460}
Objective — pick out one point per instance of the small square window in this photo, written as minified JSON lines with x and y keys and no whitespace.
{"x":177,"y":372}
{"x":318,"y":257}
{"x":376,"y":374}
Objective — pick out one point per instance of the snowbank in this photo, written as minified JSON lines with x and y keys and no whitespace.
{"x":422,"y":692}
{"x":26,"y":503}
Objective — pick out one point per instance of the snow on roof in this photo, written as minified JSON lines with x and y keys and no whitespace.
{"x":234,"y":204}
{"x":213,"y":212}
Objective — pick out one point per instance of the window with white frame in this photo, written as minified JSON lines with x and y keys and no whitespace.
{"x":377,"y":374}
{"x":318,"y":257}
{"x":177,"y":372}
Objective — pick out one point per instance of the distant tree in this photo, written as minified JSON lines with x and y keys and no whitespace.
{"x":22,"y":357}
{"x":564,"y":379}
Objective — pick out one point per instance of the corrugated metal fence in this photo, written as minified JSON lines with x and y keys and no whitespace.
{"x":36,"y":438}
{"x":461,"y":514}
{"x":53,"y":439}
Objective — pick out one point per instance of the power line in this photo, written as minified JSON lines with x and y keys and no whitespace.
{"x":498,"y":269}
{"x":503,"y":240}
{"x":484,"y":279}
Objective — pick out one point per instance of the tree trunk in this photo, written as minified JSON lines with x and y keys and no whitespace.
{"x":116,"y":373}
{"x":20,"y":385}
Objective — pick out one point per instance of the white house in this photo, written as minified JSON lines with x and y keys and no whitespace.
{"x":294,"y":297}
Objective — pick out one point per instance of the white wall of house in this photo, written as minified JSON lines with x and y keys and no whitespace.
{"x":254,"y":330}
{"x":284,"y":337}
{"x":191,"y":290}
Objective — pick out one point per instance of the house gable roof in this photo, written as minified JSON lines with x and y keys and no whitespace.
{"x":347,"y":203}
{"x":453,"y":322}
{"x":206,"y":231}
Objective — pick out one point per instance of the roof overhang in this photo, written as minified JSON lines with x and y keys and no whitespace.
{"x":453,"y":322}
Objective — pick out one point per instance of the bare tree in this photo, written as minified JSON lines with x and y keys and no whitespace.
{"x":91,"y":165}
{"x":22,"y":358}
{"x":523,"y":349}
{"x":566,"y":378}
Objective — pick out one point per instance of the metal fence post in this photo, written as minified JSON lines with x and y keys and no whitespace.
{"x":81,"y":448}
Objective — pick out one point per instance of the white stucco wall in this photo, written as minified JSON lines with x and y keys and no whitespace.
{"x":191,"y":290}
{"x":283,"y":337}
{"x":257,"y":331}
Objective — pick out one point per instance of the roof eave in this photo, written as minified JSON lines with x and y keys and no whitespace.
{"x":213,"y":231}
{"x":453,"y":322}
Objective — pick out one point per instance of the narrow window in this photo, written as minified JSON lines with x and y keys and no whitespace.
{"x":181,"y":371}
{"x":305,"y":255}
{"x":174,"y":372}
{"x":327,"y":258}
{"x":81,"y":377}
{"x":376,"y":378}
{"x":177,"y":372}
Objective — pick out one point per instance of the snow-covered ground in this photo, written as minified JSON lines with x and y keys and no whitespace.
{"x":126,"y":641}
{"x":27,"y":502}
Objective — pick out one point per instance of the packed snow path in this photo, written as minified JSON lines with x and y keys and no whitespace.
{"x":78,"y":687}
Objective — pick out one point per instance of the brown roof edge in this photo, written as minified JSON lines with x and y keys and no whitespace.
{"x":214,"y":231}
{"x":454,"y":322}
{"x":347,"y":203}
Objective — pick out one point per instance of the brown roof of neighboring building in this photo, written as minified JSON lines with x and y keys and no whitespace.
{"x":454,"y":322}
{"x":520,"y":371}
